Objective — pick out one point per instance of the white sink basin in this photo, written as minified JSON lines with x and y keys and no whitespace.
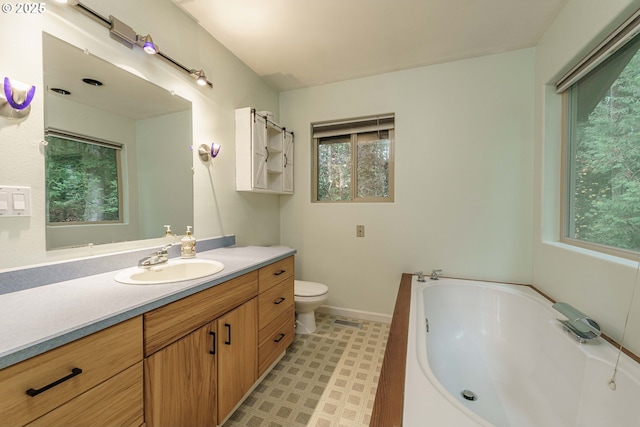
{"x":174,"y":270}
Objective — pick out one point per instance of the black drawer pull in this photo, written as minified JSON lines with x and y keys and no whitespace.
{"x":213,"y":334}
{"x":75,"y":371}
{"x":279,"y":338}
{"x":279,"y":300}
{"x":228,"y":341}
{"x":279,"y":272}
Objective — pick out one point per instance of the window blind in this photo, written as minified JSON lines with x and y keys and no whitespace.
{"x":56,"y":133}
{"x":358,"y":125}
{"x":623,"y":34}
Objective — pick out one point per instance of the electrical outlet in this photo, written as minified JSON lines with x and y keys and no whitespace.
{"x":359,"y":230}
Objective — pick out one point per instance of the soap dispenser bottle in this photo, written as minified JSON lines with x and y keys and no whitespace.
{"x":188,"y":248}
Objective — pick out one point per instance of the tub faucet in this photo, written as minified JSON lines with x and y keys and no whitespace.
{"x":158,"y":257}
{"x":434,"y":274}
{"x":420,"y":275}
{"x":578,"y":324}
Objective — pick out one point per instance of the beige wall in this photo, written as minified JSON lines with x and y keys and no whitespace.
{"x":219,"y":209}
{"x":598,"y":285}
{"x":463,"y":162}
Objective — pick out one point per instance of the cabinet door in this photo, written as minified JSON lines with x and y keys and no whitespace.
{"x":287,"y":167}
{"x":237,"y":355}
{"x":180,"y":382}
{"x":260,"y":151}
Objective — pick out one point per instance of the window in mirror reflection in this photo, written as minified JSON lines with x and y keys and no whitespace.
{"x":83,"y":181}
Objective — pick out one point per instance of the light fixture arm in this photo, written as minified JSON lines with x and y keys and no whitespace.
{"x":126,"y":35}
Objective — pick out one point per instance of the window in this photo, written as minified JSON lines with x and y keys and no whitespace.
{"x":83,"y":179}
{"x":353,"y":160}
{"x":602,"y":170}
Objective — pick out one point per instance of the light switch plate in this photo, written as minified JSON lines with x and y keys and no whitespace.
{"x":15,"y":201}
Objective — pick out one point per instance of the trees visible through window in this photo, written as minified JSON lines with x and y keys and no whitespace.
{"x":83,"y":181}
{"x":603,"y":176}
{"x":353,"y":160}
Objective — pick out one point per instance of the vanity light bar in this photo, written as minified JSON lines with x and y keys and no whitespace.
{"x":126,"y":35}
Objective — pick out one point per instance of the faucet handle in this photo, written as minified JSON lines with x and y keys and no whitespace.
{"x":165,"y":248}
{"x":434,"y":274}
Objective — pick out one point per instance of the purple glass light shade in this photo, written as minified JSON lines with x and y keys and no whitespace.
{"x":8,"y":93}
{"x":215,"y":149}
{"x":150,"y":48}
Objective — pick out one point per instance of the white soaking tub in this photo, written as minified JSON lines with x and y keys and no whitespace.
{"x":504,"y":345}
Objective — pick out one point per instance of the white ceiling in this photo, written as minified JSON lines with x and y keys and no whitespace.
{"x":300,"y":43}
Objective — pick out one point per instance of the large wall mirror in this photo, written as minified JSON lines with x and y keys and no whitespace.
{"x":118,"y":160}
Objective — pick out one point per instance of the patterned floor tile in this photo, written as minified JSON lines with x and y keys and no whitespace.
{"x":327,"y":378}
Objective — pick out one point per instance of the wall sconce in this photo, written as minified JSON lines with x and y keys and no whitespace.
{"x":207,"y":153}
{"x":17,"y":99}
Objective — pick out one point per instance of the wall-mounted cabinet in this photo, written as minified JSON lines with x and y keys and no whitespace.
{"x":264,"y":154}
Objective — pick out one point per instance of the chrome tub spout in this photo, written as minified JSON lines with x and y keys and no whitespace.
{"x":578,"y":324}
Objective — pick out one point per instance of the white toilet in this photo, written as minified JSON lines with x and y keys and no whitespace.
{"x":307,"y":297}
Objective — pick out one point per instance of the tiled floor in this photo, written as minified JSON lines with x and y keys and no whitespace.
{"x":327,"y":378}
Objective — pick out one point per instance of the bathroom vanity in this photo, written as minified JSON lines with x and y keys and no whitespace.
{"x":184,"y":353}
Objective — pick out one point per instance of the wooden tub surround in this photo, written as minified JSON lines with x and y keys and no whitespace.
{"x":389,"y":401}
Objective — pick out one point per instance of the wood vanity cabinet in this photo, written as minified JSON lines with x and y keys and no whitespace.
{"x":210,"y":362}
{"x":94,"y":381}
{"x":205,"y":352}
{"x":188,"y":363}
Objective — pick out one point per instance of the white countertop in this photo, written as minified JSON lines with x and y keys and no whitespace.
{"x":40,"y":319}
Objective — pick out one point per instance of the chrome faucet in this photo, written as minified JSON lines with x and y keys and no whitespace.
{"x":434,"y":274}
{"x":159,"y":257}
{"x":420,"y":275}
{"x":578,"y":324}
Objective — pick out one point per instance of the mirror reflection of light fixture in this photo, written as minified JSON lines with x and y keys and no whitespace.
{"x":17,"y":99}
{"x":206,"y":153}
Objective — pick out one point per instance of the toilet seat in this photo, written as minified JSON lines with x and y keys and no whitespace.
{"x":309,"y":289}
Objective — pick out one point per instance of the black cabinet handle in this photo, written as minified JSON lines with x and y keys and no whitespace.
{"x":279,"y":300}
{"x":279,"y":338}
{"x":228,"y":341}
{"x":74,"y":372}
{"x":213,"y":351}
{"x":279,"y":272}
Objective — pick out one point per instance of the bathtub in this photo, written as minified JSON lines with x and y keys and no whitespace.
{"x":504,"y":345}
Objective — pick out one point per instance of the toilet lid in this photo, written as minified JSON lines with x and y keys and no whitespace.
{"x":309,"y":289}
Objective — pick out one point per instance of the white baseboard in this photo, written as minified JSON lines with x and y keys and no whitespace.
{"x":356,"y":314}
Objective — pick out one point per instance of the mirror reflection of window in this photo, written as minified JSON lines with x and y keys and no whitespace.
{"x":83,"y":181}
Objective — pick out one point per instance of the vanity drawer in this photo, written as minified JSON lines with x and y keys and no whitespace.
{"x":273,"y":274}
{"x":171,"y":322}
{"x":273,"y":302}
{"x":116,"y":402}
{"x":275,"y":338}
{"x":99,"y":356}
